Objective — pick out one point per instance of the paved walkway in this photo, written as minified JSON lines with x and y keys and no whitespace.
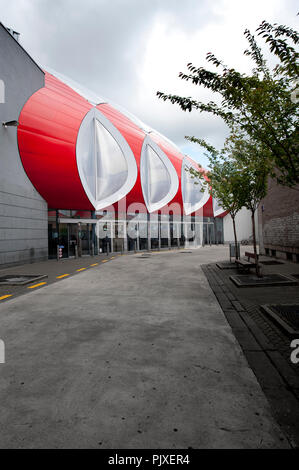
{"x":135,"y":353}
{"x":53,"y":270}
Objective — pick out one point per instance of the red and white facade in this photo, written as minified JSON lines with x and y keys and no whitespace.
{"x":82,"y":153}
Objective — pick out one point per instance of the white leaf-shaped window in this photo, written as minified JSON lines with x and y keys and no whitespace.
{"x":217,"y":209}
{"x":111,"y":172}
{"x":106,"y":163}
{"x":159,"y":179}
{"x":193,"y":197}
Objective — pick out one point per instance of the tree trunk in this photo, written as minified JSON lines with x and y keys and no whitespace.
{"x":235,"y":235}
{"x":257,"y":268}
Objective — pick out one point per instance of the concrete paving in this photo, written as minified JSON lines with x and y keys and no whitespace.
{"x":50,"y":268}
{"x":135,"y":353}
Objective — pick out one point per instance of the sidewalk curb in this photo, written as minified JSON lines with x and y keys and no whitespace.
{"x":274,"y":374}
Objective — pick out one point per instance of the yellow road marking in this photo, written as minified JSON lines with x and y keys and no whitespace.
{"x":5,"y":296}
{"x":112,"y":257}
{"x":37,"y":285}
{"x":104,"y":260}
{"x":94,"y":264}
{"x":81,"y":269}
{"x":62,"y":275}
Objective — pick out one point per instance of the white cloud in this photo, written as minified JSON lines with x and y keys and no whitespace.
{"x":126,"y":50}
{"x":169,"y":48}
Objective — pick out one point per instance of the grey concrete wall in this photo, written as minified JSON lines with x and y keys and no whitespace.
{"x":23,"y":212}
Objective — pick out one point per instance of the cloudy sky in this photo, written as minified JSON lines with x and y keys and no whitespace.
{"x":126,"y":50}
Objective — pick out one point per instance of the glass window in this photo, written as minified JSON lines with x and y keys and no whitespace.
{"x":158,"y":177}
{"x":106,"y":163}
{"x":112,"y":168}
{"x":193,"y":197}
{"x":192,"y":188}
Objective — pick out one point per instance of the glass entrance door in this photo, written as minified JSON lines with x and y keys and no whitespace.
{"x":73,"y":239}
{"x":85,"y":238}
{"x":63,"y":240}
{"x":118,"y":238}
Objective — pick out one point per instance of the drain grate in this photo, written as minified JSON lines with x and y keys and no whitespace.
{"x":20,"y":279}
{"x":284,"y":315}
{"x":251,"y":280}
{"x":289,"y":313}
{"x":271,"y":262}
{"x":184,"y":252}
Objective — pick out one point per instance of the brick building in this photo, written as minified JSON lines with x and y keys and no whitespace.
{"x":279,"y":222}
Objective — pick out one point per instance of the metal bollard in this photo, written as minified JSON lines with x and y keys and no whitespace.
{"x":92,"y":249}
{"x":57,"y":252}
{"x":76,"y":251}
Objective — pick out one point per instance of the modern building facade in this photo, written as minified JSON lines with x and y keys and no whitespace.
{"x":80,"y":173}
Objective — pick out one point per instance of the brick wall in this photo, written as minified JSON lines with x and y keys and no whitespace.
{"x":279,"y":220}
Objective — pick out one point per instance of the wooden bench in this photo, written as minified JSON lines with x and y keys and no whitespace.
{"x":246,"y":265}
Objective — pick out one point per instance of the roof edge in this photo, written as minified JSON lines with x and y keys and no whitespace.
{"x":14,"y":39}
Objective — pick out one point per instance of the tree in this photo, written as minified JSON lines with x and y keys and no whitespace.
{"x":223,"y":181}
{"x":252,"y":161}
{"x":237,"y":177}
{"x":260,"y":104}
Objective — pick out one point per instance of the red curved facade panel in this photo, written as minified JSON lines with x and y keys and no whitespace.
{"x":208,"y":208}
{"x":49,"y":140}
{"x":47,"y":134}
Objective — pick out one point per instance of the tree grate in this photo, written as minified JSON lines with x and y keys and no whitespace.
{"x":20,"y":279}
{"x":288,"y":313}
{"x":286,"y":317}
{"x":251,"y":280}
{"x":271,"y":262}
